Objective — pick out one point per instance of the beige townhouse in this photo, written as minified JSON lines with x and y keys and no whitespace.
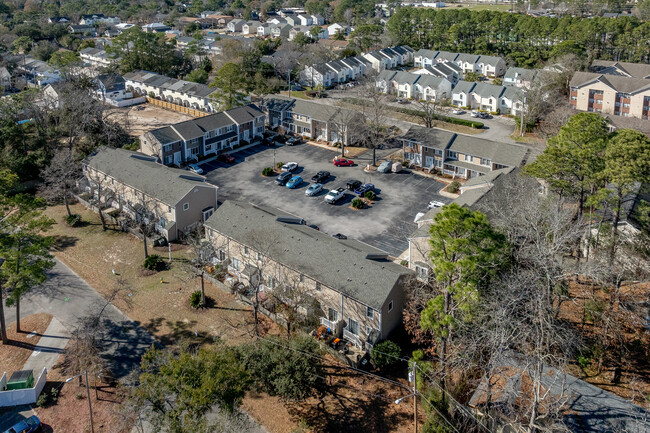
{"x":457,"y":155}
{"x":177,"y":200}
{"x":359,"y":290}
{"x":611,"y":94}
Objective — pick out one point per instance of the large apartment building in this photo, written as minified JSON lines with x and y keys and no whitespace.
{"x":359,"y":290}
{"x":460,"y":156}
{"x":175,"y":200}
{"x":310,"y":119}
{"x":209,"y":135}
{"x":619,"y":95}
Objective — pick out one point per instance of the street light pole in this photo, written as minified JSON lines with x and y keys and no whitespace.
{"x":414,"y":395}
{"x":90,"y":406}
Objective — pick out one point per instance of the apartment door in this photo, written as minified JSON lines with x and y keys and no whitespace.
{"x":177,"y":158}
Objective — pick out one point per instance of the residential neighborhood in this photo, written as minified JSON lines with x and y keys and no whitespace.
{"x":308,"y":217}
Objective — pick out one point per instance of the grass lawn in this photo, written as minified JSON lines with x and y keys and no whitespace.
{"x":163,"y":308}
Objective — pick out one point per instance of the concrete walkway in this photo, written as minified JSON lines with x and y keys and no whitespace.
{"x":49,"y":348}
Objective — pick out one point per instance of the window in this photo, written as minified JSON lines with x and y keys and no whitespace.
{"x":390,"y":306}
{"x":207,"y":213}
{"x":235,"y":263}
{"x":468,"y":158}
{"x":301,"y":278}
{"x":485,"y":161}
{"x":318,"y":287}
{"x":368,"y":330}
{"x":353,"y":326}
{"x":221,"y":255}
{"x":422,"y":272}
{"x":167,"y":148}
{"x":332,"y":315}
{"x":271,"y":282}
{"x":246,"y":251}
{"x":453,"y":155}
{"x":370,"y":313}
{"x":259,"y":257}
{"x":186,"y":206}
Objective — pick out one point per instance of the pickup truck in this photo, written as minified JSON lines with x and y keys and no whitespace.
{"x":335,"y":195}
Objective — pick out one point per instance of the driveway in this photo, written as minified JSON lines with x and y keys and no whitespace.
{"x":67,"y":297}
{"x":385,"y":225}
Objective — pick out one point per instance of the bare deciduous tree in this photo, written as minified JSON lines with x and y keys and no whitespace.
{"x":60,"y":177}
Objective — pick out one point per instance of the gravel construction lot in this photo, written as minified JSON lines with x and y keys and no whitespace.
{"x":385,"y":224}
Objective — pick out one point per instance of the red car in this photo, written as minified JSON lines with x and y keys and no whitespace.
{"x":226,"y":158}
{"x":343,"y":162}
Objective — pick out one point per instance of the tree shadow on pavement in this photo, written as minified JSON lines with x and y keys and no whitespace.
{"x":169,"y":332}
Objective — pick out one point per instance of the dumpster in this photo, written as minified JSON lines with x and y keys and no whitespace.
{"x":21,"y":380}
{"x":397,"y":167}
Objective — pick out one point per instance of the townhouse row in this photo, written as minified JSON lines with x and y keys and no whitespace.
{"x":615,"y":88}
{"x":191,"y":140}
{"x":488,"y":66}
{"x":457,"y":155}
{"x":414,"y":86}
{"x":180,"y":92}
{"x":359,"y":294}
{"x":311,"y":120}
{"x":174,"y":200}
{"x":351,"y":68}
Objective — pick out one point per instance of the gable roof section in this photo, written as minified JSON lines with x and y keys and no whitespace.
{"x":446,"y":55}
{"x":469,"y":58}
{"x":486,"y":90}
{"x":349,"y":269}
{"x":500,"y":153}
{"x":616,"y":82}
{"x":490,"y":60}
{"x":430,"y":137}
{"x":635,"y":70}
{"x":324,"y":113}
{"x":430,"y":81}
{"x":243,"y":114}
{"x":464,"y":87}
{"x":142,"y":172}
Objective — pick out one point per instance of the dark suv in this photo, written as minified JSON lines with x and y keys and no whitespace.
{"x":283,"y":178}
{"x":320,"y":176}
{"x":353,"y":184}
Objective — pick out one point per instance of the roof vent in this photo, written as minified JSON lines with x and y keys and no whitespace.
{"x":290,"y":220}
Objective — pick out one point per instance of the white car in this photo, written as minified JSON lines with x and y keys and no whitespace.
{"x":195,"y":169}
{"x":313,"y":189}
{"x":474,"y":113}
{"x":434,"y":204}
{"x":457,"y":111}
{"x":289,"y":166}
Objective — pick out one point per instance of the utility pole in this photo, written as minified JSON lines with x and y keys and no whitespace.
{"x":522,"y":127}
{"x":90,"y":407}
{"x":415,"y":397}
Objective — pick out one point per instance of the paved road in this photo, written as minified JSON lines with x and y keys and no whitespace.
{"x":385,"y":225}
{"x":68,"y":298}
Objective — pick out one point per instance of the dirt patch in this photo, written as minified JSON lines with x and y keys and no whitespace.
{"x":143,"y":118}
{"x":14,"y":355}
{"x":70,"y":413}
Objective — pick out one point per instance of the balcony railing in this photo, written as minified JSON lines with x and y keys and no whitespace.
{"x":353,"y":338}
{"x":328,"y":323}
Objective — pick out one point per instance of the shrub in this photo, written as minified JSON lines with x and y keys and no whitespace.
{"x":153,"y":263}
{"x":279,"y":164}
{"x":73,"y":220}
{"x":453,"y":187}
{"x":370,"y":195}
{"x":195,"y":300}
{"x":404,"y":263}
{"x":357,"y":203}
{"x":134,"y":145}
{"x":47,"y":399}
{"x":268,"y":171}
{"x":405,"y":163}
{"x":385,"y":354}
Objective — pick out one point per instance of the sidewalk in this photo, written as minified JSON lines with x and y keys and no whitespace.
{"x":49,"y":348}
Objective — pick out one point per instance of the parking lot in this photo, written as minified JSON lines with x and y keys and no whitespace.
{"x":385,"y":224}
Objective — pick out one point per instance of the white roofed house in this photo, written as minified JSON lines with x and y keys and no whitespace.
{"x":430,"y":88}
{"x":179,"y":92}
{"x":305,"y":20}
{"x":250,"y":27}
{"x":316,"y":75}
{"x":492,"y":66}
{"x":468,"y":62}
{"x":235,"y":26}
{"x":264,"y":29}
{"x":519,"y":77}
{"x":461,"y":95}
{"x":379,"y":61}
{"x":487,"y":96}
{"x":422,"y":58}
{"x":176,"y":200}
{"x":334,"y":29}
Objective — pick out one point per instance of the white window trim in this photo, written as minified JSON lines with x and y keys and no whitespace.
{"x":186,"y":206}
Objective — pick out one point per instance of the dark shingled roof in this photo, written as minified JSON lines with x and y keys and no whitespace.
{"x":348,"y":266}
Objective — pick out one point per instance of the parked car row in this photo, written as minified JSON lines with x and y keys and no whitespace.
{"x":480,"y":114}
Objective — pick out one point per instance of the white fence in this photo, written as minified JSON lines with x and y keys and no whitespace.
{"x":16,"y":397}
